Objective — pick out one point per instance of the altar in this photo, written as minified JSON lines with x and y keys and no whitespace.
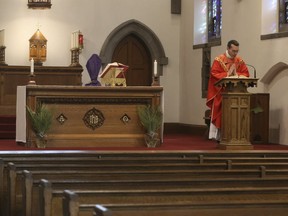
{"x":87,"y":116}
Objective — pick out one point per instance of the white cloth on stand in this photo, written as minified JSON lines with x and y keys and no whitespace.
{"x":214,"y":132}
{"x":21,"y":114}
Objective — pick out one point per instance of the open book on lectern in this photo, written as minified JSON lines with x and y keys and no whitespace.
{"x":114,"y":74}
{"x":114,"y":70}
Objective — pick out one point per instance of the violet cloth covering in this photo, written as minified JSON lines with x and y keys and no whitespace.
{"x":93,"y":66}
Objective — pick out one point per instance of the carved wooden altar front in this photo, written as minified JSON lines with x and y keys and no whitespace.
{"x":93,"y":116}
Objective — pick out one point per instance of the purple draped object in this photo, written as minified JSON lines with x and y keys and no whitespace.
{"x":93,"y":66}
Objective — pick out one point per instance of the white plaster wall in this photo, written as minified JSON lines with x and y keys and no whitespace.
{"x":192,"y":105}
{"x":96,"y":19}
{"x":242,"y":20}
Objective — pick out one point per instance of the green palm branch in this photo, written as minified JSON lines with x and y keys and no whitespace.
{"x":41,"y":119}
{"x":150,"y":117}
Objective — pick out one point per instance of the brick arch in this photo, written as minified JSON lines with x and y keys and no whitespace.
{"x":144,"y":33}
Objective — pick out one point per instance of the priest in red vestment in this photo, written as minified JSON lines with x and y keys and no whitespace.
{"x":227,"y":64}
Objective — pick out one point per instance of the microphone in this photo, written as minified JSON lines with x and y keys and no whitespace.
{"x":254,"y":69}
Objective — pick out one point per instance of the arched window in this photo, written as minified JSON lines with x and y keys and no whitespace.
{"x":214,"y":20}
{"x":283,"y":15}
{"x":207,"y":33}
{"x":274,"y":19}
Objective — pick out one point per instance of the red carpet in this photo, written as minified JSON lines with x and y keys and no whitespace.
{"x":171,"y":142}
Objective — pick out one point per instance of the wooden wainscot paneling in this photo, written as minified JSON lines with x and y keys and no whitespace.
{"x":13,"y":76}
{"x":260,"y":118}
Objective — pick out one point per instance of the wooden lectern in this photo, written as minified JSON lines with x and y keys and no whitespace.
{"x":235,"y":122}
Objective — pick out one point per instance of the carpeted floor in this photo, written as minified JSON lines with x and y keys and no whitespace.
{"x":171,"y":142}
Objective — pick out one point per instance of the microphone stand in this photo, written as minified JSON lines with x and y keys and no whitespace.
{"x":254,"y":69}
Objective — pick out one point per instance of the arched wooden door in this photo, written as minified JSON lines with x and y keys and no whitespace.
{"x":132,"y":51}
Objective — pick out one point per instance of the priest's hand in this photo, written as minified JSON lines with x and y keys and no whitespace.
{"x":232,"y":71}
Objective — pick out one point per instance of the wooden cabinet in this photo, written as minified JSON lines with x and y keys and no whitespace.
{"x":259,"y":118}
{"x":13,"y":76}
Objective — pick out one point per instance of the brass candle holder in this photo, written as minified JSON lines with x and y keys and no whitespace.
{"x":32,"y":80}
{"x":156,"y":81}
{"x":75,"y":52}
{"x":2,"y":55}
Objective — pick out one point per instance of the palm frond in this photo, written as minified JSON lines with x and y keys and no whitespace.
{"x":41,"y":119}
{"x":150,"y":117}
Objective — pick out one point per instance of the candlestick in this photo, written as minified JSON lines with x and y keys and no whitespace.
{"x":32,"y":67}
{"x":155,"y":68}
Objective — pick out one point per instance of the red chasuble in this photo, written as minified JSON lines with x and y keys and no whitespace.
{"x":220,"y":70}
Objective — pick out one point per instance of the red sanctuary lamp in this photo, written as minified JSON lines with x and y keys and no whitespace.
{"x":81,"y":40}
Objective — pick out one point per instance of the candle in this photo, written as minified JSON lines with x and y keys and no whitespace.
{"x":32,"y":67}
{"x":77,"y":40}
{"x":155,"y":68}
{"x":72,"y":41}
{"x":2,"y":35}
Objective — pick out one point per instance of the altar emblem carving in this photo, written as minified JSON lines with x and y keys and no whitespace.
{"x":125,"y":119}
{"x":93,"y":119}
{"x":61,"y":118}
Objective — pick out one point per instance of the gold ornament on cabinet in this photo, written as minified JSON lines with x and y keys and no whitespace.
{"x":38,"y":48}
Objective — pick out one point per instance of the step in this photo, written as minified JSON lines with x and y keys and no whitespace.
{"x":7,"y":135}
{"x":7,"y":119}
{"x":7,"y":127}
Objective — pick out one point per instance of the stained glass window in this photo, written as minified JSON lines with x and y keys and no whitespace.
{"x":214,"y":19}
{"x":286,"y":11}
{"x":214,"y":25}
{"x":283,"y":15}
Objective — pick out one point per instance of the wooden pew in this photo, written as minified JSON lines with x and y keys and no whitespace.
{"x":112,"y":157}
{"x":88,"y":163}
{"x":94,"y":171}
{"x":15,"y":177}
{"x":16,"y":180}
{"x":207,"y":156}
{"x":87,"y":157}
{"x":246,"y":201}
{"x":51,"y":191}
{"x":60,"y":157}
{"x":186,"y":209}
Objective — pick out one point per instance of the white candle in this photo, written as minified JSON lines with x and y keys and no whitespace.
{"x":74,"y":43}
{"x":2,"y":36}
{"x":155,"y":68}
{"x":77,"y":40}
{"x":32,"y":67}
{"x":71,"y":43}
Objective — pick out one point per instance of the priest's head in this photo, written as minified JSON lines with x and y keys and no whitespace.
{"x":233,"y":48}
